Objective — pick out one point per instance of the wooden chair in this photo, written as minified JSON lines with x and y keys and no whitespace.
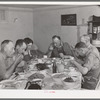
{"x":97,"y":86}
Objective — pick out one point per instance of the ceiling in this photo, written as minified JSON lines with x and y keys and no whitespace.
{"x":26,"y":6}
{"x":35,"y":6}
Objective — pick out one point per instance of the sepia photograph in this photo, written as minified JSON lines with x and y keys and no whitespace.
{"x":50,"y":48}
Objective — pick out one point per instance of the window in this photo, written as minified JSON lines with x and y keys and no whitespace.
{"x":3,"y":15}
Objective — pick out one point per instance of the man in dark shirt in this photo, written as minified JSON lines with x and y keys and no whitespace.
{"x":59,"y":49}
{"x":32,"y":50}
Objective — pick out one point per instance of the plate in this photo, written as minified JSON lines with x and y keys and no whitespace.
{"x":37,"y":80}
{"x":7,"y":81}
{"x":59,"y":75}
{"x":74,"y":73}
{"x":56,"y":74}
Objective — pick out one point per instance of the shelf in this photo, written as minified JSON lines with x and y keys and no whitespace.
{"x":94,"y":27}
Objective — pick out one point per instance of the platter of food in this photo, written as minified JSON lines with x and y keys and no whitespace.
{"x":58,"y":75}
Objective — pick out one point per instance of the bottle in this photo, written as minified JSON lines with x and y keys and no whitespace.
{"x":54,"y":67}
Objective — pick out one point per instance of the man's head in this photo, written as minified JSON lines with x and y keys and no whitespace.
{"x":86,"y":39}
{"x":81,"y":48}
{"x":56,"y":40}
{"x":7,"y":47}
{"x":20,"y":46}
{"x":29,"y":42}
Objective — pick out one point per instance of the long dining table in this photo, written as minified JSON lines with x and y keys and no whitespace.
{"x":66,"y":77}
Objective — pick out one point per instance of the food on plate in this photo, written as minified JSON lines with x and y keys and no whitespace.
{"x":9,"y":86}
{"x":74,"y":73}
{"x":41,"y":66}
{"x":69,"y":79}
{"x":40,"y":61}
{"x":48,"y":62}
{"x":36,"y":76}
{"x":56,"y":86}
{"x":48,"y":80}
{"x":47,"y":83}
{"x":59,"y":75}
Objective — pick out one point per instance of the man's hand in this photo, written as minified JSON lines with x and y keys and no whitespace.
{"x":51,"y":48}
{"x":62,"y":55}
{"x":73,"y":61}
{"x":79,"y":61}
{"x":82,"y":69}
{"x":21,"y":64}
{"x":18,"y":59}
{"x":25,"y":53}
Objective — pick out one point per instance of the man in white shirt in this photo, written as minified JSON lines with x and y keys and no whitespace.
{"x":7,"y":51}
{"x":86,"y":39}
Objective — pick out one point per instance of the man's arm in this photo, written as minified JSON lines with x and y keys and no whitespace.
{"x":82,"y":69}
{"x":79,"y":61}
{"x":11,"y":69}
{"x":87,"y":66}
{"x":50,"y":49}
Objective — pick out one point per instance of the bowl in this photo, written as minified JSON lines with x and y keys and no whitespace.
{"x":71,"y":85}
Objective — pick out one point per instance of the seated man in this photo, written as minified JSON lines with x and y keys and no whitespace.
{"x":30,"y":51}
{"x":30,"y":44}
{"x":86,"y":39}
{"x":20,"y":48}
{"x":91,"y":67}
{"x":58,"y":48}
{"x":7,"y":50}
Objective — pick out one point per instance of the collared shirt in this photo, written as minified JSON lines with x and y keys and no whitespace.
{"x":92,"y":62}
{"x":94,"y":50}
{"x":65,"y":48}
{"x":57,"y":50}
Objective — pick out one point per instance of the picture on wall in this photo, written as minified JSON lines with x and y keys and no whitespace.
{"x":68,"y":20}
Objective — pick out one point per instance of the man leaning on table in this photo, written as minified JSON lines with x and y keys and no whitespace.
{"x":86,"y":39}
{"x":91,"y":67}
{"x":7,"y":50}
{"x":20,"y":47}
